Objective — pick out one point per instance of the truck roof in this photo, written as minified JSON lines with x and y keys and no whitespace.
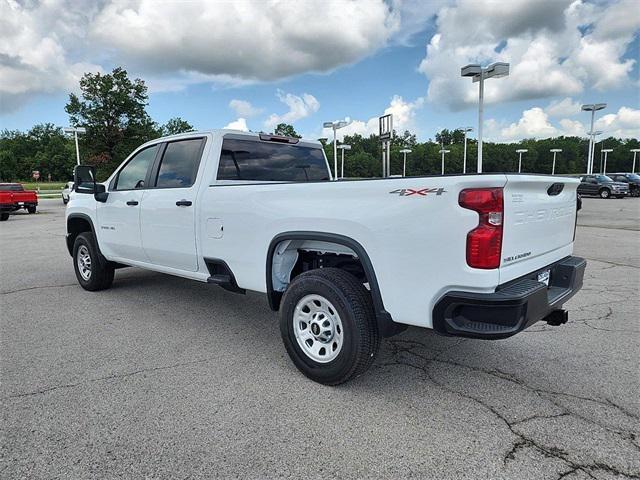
{"x":224,"y":131}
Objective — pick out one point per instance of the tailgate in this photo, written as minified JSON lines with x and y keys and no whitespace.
{"x":539,"y":223}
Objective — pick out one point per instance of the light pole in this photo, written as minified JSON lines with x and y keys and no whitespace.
{"x":343,"y":147}
{"x":606,"y":150}
{"x":443,"y":151}
{"x":592,"y":146}
{"x":554,"y":151}
{"x":593,"y":108}
{"x":335,"y":126}
{"x":635,"y":152}
{"x":479,"y":73}
{"x":520,"y":151}
{"x":464,"y":158}
{"x":75,"y":132}
{"x":404,"y":152}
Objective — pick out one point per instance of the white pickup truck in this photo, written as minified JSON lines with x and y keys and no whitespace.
{"x":345,"y":262}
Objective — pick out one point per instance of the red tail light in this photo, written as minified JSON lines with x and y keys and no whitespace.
{"x":484,"y":243}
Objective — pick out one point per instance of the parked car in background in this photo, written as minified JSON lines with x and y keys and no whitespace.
{"x":602,"y":186}
{"x":66,"y":190}
{"x":631,"y":179}
{"x":13,"y":197}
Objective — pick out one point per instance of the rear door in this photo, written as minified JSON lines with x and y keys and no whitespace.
{"x":168,"y":207}
{"x":539,"y":221}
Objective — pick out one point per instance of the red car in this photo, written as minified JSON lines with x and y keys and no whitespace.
{"x":13,"y":197}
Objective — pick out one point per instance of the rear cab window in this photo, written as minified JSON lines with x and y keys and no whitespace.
{"x":179,"y":164}
{"x":252,"y":159}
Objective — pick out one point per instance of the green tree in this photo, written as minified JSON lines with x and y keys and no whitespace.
{"x":286,"y":130}
{"x":176,"y":125}
{"x":112,"y":108}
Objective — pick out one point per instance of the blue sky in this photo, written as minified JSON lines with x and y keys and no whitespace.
{"x":325,"y":61}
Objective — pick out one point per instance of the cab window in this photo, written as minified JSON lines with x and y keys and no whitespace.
{"x":179,"y":165}
{"x":133,"y":174}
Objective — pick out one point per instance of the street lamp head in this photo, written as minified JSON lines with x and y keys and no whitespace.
{"x":344,"y":147}
{"x":444,"y":151}
{"x":405,"y":150}
{"x":608,"y":150}
{"x":467,"y":129}
{"x":555,"y":150}
{"x":497,"y":70}
{"x":81,"y":130}
{"x":635,"y":150}
{"x":593,"y":107}
{"x":336,"y":125}
{"x":471,"y":70}
{"x":595,"y":133}
{"x":522,"y":150}
{"x":327,"y":124}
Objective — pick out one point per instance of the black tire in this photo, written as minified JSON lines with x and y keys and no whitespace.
{"x":353,"y":303}
{"x":605,"y":193}
{"x":31,"y":209}
{"x":65,"y":200}
{"x":101,"y":271}
{"x":4,"y":217}
{"x":620,"y":196}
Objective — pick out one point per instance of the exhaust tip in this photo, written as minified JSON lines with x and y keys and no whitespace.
{"x":557,"y":318}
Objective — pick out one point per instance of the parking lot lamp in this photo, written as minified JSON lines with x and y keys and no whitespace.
{"x":335,"y":126}
{"x":404,"y":152}
{"x":520,"y":151}
{"x":592,"y":145}
{"x":443,"y":152}
{"x":593,"y":108}
{"x":606,"y":150}
{"x":478,"y":73}
{"x":554,"y":151}
{"x":635,"y":152}
{"x":75,"y":132}
{"x":464,"y":157}
{"x":343,"y":147}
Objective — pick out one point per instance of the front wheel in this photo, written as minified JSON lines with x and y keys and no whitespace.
{"x":328,"y":325}
{"x":93,"y":271}
{"x":65,"y":200}
{"x":605,"y":193}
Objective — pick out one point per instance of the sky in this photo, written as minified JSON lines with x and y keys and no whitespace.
{"x":251,"y":64}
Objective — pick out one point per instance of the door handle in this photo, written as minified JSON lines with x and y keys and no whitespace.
{"x":132,"y":203}
{"x":184,"y":203}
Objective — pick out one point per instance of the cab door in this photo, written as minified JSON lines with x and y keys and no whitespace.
{"x":119,"y":217}
{"x":168,"y":212}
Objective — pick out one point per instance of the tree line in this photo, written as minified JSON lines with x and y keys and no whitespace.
{"x":112,"y":109}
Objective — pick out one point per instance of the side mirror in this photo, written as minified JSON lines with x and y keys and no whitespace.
{"x":84,"y":178}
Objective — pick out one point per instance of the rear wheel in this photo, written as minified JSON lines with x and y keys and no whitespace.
{"x":328,"y":325}
{"x":31,"y":209}
{"x":4,"y":217}
{"x":93,"y":271}
{"x":605,"y":193}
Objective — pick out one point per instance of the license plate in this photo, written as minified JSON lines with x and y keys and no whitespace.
{"x":544,"y":277}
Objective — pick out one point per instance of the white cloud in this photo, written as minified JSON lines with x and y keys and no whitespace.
{"x":239,"y":124}
{"x":555,"y":47}
{"x":625,"y":123}
{"x":299,"y":107}
{"x":403,"y":119}
{"x":572,"y":128}
{"x":566,"y":107}
{"x":534,"y":123}
{"x":32,"y":56}
{"x":247,"y":40}
{"x":244,"y":108}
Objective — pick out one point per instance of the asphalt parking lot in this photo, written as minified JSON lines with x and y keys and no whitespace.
{"x":160,"y":377}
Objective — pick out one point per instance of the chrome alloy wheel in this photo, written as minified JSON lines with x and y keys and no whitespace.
{"x":84,"y":262}
{"x":318,"y":328}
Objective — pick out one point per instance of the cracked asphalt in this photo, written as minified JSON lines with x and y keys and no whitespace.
{"x":160,"y":377}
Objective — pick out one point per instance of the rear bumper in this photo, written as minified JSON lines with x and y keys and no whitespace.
{"x":513,"y":307}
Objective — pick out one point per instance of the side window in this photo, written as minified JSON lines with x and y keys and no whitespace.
{"x":255,"y":160}
{"x":179,"y":164}
{"x":133,"y":174}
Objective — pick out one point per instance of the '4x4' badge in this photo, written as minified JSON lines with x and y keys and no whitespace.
{"x":405,"y":192}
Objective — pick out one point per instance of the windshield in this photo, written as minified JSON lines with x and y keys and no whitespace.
{"x":11,"y":188}
{"x":633,"y":176}
{"x":603,"y":178}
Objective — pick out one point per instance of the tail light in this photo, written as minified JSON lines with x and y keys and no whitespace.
{"x":484,"y":243}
